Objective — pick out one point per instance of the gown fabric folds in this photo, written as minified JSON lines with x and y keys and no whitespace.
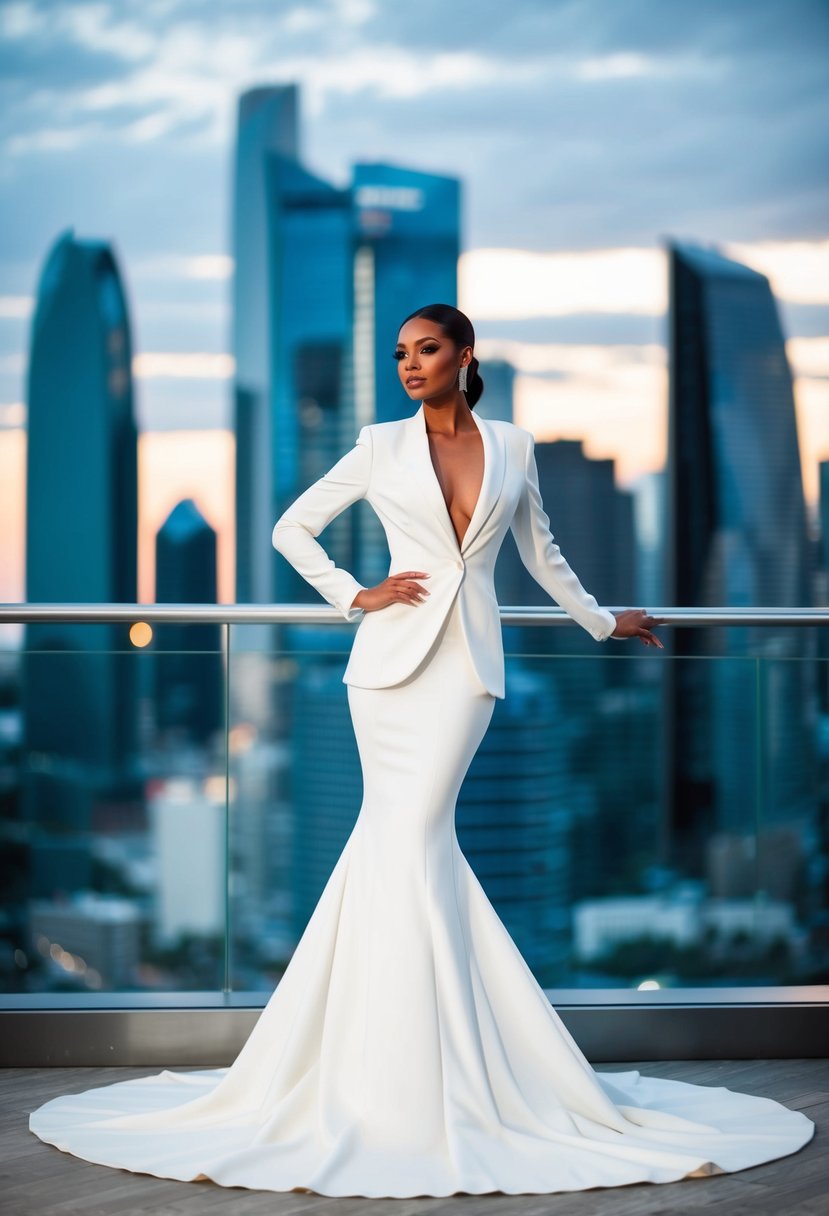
{"x":408,"y":1049}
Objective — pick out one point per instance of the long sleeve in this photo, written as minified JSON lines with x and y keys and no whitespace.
{"x":531,"y":528}
{"x":294,"y":531}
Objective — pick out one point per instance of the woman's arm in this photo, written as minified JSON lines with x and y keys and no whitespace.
{"x":294,"y":531}
{"x":531,"y":528}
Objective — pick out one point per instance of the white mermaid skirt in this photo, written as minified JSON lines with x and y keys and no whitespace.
{"x":408,"y":1049}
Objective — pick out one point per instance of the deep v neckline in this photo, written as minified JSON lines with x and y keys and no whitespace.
{"x":460,"y":542}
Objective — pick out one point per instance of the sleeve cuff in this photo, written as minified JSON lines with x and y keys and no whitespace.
{"x":350,"y":613}
{"x":611,"y":625}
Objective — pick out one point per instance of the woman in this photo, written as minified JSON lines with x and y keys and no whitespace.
{"x":408,"y":1050}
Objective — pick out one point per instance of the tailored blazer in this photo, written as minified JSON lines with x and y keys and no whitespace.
{"x":391,"y":466}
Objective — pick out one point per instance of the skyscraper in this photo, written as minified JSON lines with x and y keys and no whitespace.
{"x":742,"y":751}
{"x":81,"y":511}
{"x":188,"y":662}
{"x":324,"y":276}
{"x":309,"y":254}
{"x":823,"y":562}
{"x":406,"y":249}
{"x":266,"y":122}
{"x":592,"y":520}
{"x":499,"y":390}
{"x":407,"y":244}
{"x":79,"y":681}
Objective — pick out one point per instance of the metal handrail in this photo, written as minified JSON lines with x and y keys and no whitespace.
{"x":324,"y":614}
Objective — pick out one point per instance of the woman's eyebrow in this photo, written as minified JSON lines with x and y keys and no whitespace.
{"x":428,"y":338}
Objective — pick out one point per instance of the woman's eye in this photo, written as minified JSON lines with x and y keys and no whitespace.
{"x":424,"y":350}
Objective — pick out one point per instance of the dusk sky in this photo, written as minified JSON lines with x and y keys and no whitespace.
{"x":585,"y":133}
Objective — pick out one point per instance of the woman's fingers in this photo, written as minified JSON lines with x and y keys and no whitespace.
{"x":649,"y":623}
{"x":408,"y":591}
{"x":642,"y":628}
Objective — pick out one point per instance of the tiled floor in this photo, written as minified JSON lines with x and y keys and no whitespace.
{"x":39,"y":1180}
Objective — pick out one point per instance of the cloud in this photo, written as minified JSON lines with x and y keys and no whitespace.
{"x":577,"y":358}
{"x":184,"y":366}
{"x":617,"y":410}
{"x":572,"y":125}
{"x":514,"y":283}
{"x":509,"y":284}
{"x":812,"y":411}
{"x":162,"y":81}
{"x":624,"y":65}
{"x":46,"y":139}
{"x":798,"y":271}
{"x":809,"y":357}
{"x":19,"y":20}
{"x":17,"y":307}
{"x":96,"y":27}
{"x":173,"y":266}
{"x":12,"y":415}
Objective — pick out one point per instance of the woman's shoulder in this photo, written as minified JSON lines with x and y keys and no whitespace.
{"x":512,"y":427}
{"x":380,"y":427}
{"x":519,"y":436}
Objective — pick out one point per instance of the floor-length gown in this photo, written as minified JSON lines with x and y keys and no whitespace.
{"x":408,"y":1049}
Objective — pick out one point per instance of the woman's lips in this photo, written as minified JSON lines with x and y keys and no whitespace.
{"x":413,"y":383}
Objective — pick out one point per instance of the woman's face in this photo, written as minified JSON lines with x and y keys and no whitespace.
{"x":427,"y":360}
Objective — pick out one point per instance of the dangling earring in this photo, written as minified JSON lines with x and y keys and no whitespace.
{"x":462,"y":379}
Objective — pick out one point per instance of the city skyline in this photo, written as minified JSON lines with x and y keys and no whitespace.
{"x":179,"y":463}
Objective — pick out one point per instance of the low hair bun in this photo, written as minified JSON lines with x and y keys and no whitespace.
{"x":475,"y":384}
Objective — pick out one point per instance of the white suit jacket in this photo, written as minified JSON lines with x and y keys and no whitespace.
{"x":391,"y":466}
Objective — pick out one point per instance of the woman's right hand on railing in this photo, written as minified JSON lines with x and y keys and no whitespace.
{"x":637,"y":623}
{"x":397,"y":588}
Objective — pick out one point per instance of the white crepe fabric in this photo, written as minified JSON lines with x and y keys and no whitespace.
{"x":408,"y":1050}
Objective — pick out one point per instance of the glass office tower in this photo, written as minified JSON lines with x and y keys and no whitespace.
{"x":823,"y":562}
{"x":499,"y":390}
{"x":78,"y":692}
{"x":743,"y":728}
{"x":309,"y":254}
{"x":406,"y":249}
{"x":323,"y":278}
{"x":407,"y":239}
{"x":188,"y":688}
{"x":266,"y":122}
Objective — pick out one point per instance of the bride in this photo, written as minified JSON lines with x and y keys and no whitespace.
{"x":408,"y":1050}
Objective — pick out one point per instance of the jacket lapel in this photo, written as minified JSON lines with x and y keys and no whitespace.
{"x":418,"y":460}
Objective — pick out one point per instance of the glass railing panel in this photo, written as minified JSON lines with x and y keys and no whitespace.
{"x":788,"y":924}
{"x":114,"y":814}
{"x":296,"y":788}
{"x":661,"y":827}
{"x":638,"y":819}
{"x":560,"y":812}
